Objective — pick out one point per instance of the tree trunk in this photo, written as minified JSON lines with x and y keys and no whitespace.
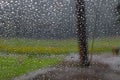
{"x":81,"y":31}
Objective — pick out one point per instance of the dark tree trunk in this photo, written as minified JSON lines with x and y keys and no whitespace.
{"x":81,"y":31}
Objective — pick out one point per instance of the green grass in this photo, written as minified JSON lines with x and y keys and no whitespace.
{"x":10,"y":68}
{"x":31,"y":46}
{"x":104,"y":45}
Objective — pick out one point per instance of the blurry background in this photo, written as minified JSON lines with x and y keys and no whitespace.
{"x":55,"y":19}
{"x":40,"y":33}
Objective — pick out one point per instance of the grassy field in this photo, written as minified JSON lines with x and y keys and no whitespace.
{"x":10,"y":67}
{"x":104,"y":45}
{"x":26,"y":48}
{"x":30,"y":46}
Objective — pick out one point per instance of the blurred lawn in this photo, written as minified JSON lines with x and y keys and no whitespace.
{"x":10,"y":68}
{"x":31,"y":46}
{"x":104,"y":44}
